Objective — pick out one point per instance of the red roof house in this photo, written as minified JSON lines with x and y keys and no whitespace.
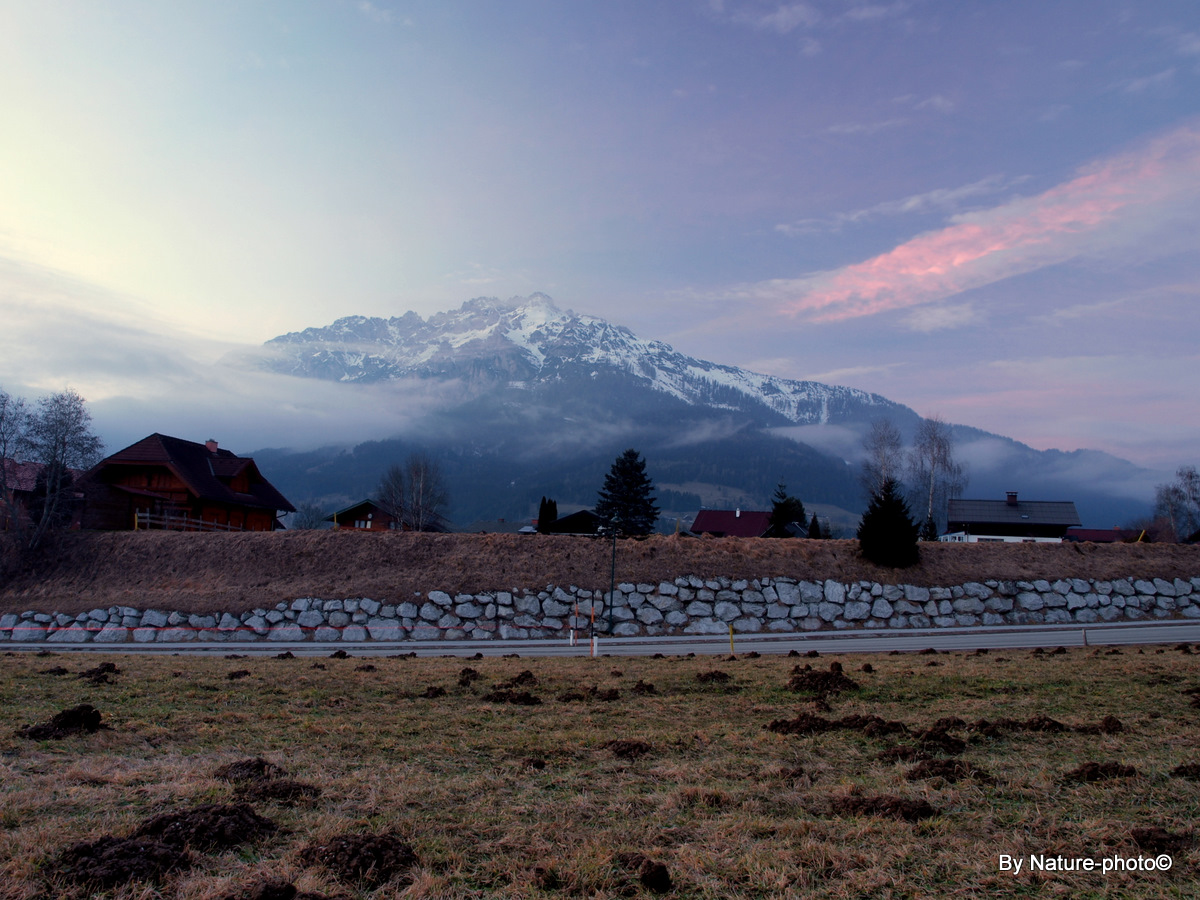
{"x":169,"y":482}
{"x":732,"y":522}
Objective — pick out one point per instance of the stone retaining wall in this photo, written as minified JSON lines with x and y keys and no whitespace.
{"x":688,"y":605}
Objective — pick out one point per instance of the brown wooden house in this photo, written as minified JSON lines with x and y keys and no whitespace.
{"x":164,"y":481}
{"x":366,"y":515}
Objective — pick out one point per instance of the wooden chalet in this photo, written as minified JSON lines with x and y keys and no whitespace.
{"x":366,"y":515}
{"x":1010,"y":520}
{"x":732,"y":522}
{"x":166,"y":482}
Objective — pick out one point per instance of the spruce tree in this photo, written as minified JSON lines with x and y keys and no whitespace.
{"x":887,"y":534}
{"x":625,"y":501}
{"x":547,"y":516}
{"x":785,"y":509}
{"x":814,"y":530}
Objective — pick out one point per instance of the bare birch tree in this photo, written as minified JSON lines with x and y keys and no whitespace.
{"x":884,"y":456}
{"x":425,"y":493}
{"x":1179,"y":502}
{"x":390,"y":493}
{"x":934,"y":474}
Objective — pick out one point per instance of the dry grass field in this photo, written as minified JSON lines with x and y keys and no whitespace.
{"x":236,"y":572}
{"x":629,"y":778}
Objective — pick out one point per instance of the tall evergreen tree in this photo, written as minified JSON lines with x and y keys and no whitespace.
{"x":547,"y":515}
{"x":887,"y":534}
{"x":785,"y":510}
{"x":814,"y":529}
{"x":625,"y":502}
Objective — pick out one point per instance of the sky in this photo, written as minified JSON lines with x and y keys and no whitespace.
{"x":986,"y":211}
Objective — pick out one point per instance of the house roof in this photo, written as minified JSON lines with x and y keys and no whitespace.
{"x":1020,"y":512}
{"x":21,"y":476}
{"x":357,"y":511}
{"x":205,"y":472}
{"x":732,"y":522}
{"x":1101,"y":535}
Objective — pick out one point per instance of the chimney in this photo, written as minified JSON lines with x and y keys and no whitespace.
{"x":1012,"y":498}
{"x":211,"y":444}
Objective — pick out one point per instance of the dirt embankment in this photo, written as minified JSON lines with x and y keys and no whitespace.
{"x":236,"y":572}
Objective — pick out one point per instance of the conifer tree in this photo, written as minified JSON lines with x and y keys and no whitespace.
{"x":887,"y":534}
{"x":547,"y":515}
{"x":814,"y":529}
{"x":625,"y":502}
{"x":785,"y":510}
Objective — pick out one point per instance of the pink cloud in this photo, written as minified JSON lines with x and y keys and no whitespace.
{"x":1086,"y":213}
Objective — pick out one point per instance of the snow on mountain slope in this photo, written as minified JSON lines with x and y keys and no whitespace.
{"x":525,"y":342}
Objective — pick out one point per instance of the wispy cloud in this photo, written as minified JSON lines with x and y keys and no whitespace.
{"x":1112,"y":204}
{"x":866,"y":127}
{"x":1148,"y":82}
{"x":938,"y":200}
{"x":381,"y":15}
{"x":783,"y":19}
{"x":942,"y":318}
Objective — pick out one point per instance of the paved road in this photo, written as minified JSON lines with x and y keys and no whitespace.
{"x":1000,"y":637}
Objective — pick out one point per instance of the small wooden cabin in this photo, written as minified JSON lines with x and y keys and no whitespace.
{"x":366,"y":515}
{"x":167,"y":482}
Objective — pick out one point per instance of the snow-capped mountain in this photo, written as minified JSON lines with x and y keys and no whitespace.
{"x":528,"y":342}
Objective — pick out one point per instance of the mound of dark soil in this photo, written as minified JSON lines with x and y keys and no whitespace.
{"x":716,"y":676}
{"x":1094,"y":771}
{"x":643,"y":688}
{"x":807,"y":723}
{"x":339,"y":654}
{"x":365,"y":667}
{"x":1187,"y":770}
{"x":871,"y":725}
{"x":55,"y":670}
{"x":256,"y":769}
{"x":811,"y":682}
{"x":81,"y":719}
{"x":886,"y":806}
{"x":654,"y":876}
{"x":372,"y":858}
{"x":524,"y":679}
{"x":280,"y":790}
{"x":238,"y":674}
{"x":1158,"y":840}
{"x":112,"y":861}
{"x":995,"y":729}
{"x":276,"y":889}
{"x":570,"y":697}
{"x":466,"y":676}
{"x":938,"y":740}
{"x":1107,"y":725}
{"x":519,"y":698}
{"x":804,"y":723}
{"x":99,"y":674}
{"x":433,"y":692}
{"x":533,"y":762}
{"x":628,"y":749}
{"x":949,"y":769}
{"x":208,"y":827}
{"x":1045,"y":724}
{"x":608,"y":695}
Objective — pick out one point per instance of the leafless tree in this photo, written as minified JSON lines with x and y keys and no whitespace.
{"x":884,"y":456}
{"x":934,"y":474}
{"x":13,"y":419}
{"x":308,"y":517}
{"x":1178,"y":503}
{"x":416,"y":493}
{"x":57,"y":435}
{"x":390,"y":493}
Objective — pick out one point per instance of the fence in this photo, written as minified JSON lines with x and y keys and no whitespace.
{"x":178,"y":522}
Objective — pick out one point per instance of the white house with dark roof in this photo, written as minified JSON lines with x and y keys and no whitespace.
{"x":1010,"y":520}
